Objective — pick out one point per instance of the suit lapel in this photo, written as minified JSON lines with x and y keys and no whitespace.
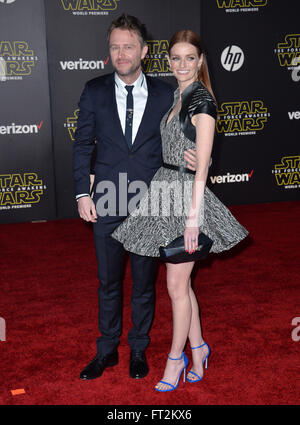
{"x":150,"y":104}
{"x":115,"y":119}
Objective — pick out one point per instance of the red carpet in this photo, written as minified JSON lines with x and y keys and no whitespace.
{"x":248,"y":299}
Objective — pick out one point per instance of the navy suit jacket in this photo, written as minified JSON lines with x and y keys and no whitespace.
{"x":98,"y":121}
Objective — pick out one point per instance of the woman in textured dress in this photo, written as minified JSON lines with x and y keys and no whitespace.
{"x":190,"y":120}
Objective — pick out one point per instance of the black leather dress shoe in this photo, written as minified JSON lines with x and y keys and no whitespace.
{"x":138,"y":367}
{"x":97,"y":366}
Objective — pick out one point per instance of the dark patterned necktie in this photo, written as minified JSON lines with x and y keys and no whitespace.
{"x":129,"y":116}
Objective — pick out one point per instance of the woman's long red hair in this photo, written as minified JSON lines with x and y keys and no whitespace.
{"x":189,"y":36}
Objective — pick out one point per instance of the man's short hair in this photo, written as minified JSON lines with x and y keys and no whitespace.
{"x":131,"y":23}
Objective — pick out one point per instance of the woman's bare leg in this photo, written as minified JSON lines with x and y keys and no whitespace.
{"x":178,"y":283}
{"x":195,"y":338}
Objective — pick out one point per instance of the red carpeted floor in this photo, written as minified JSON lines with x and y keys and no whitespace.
{"x":248,"y":299}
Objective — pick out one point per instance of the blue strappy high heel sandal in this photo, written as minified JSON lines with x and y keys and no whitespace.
{"x":173,"y":387}
{"x":205,"y":360}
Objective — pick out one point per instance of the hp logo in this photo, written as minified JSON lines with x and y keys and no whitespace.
{"x":7,"y":1}
{"x":232,"y":58}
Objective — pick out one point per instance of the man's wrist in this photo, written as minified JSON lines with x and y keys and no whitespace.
{"x":81,"y":195}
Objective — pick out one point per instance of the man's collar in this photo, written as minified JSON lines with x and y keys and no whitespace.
{"x":138,"y":83}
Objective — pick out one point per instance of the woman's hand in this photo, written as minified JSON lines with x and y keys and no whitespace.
{"x":191,"y":159}
{"x":191,"y":239}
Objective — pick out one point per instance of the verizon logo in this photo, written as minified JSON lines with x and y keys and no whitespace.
{"x":20,"y":128}
{"x":81,"y":64}
{"x":231,"y":178}
{"x":295,"y":115}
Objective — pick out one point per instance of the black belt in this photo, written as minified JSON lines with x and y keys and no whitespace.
{"x":180,"y":169}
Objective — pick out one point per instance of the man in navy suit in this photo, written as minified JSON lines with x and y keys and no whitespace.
{"x":121,"y":112}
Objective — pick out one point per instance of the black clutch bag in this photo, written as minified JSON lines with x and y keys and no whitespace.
{"x":175,"y":251}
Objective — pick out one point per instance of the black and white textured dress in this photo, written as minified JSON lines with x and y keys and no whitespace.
{"x":161,"y":216}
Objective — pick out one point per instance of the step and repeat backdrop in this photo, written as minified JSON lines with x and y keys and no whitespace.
{"x":254,"y":58}
{"x":27,"y":183}
{"x":49,"y":49}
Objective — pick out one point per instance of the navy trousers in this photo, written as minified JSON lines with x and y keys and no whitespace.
{"x":111,"y":260}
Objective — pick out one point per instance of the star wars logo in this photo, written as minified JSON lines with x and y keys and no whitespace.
{"x":16,"y":60}
{"x":90,"y":7}
{"x":156,"y":63}
{"x":20,"y":190}
{"x":241,"y":5}
{"x":287,"y":173}
{"x":242,"y":118}
{"x":288,"y":51}
{"x":71,"y":124}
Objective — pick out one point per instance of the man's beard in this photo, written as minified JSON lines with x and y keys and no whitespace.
{"x":130,"y":71}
